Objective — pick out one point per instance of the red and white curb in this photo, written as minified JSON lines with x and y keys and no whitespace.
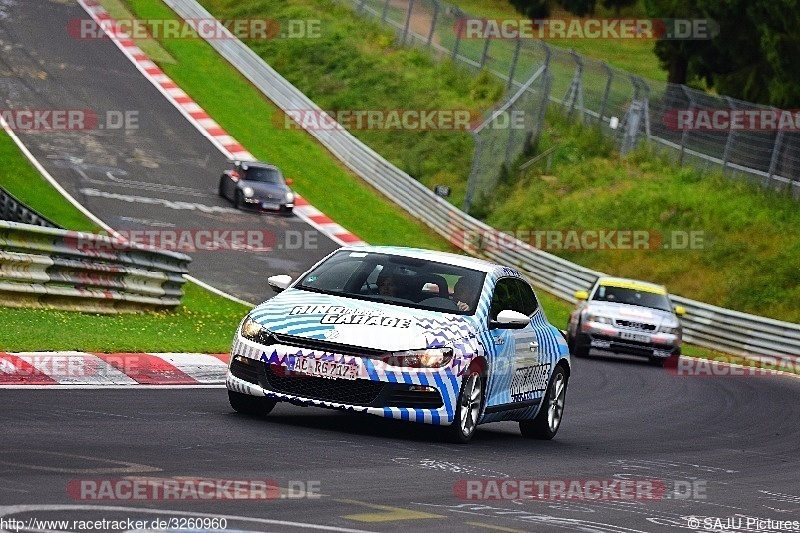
{"x":120,"y":370}
{"x":202,"y":121}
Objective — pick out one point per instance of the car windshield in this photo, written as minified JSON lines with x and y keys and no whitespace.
{"x":263,"y":175}
{"x":624,"y":295}
{"x":398,"y":280}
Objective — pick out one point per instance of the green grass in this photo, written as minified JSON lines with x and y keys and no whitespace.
{"x":205,"y":323}
{"x":23,"y":181}
{"x":633,"y":55}
{"x":748,"y":258}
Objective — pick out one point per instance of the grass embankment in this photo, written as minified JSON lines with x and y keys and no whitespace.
{"x":203,"y":323}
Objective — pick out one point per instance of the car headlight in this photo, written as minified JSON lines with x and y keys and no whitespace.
{"x":599,"y":318}
{"x":251,"y":329}
{"x":248,"y":191}
{"x":290,"y":197}
{"x":428,"y":358}
{"x":670,"y":330}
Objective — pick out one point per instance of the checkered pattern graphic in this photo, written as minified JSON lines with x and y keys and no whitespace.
{"x":201,"y":120}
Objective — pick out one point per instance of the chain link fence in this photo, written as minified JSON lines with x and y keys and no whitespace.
{"x":626,"y":107}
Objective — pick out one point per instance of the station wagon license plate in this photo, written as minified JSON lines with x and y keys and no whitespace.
{"x":325,"y":369}
{"x":638,"y":337}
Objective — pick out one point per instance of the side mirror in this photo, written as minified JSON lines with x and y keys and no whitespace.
{"x":279,"y":282}
{"x":507,"y":319}
{"x":581,"y":295}
{"x":680,"y":310}
{"x":289,"y":181}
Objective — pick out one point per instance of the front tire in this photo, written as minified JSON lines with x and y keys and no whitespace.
{"x":238,"y":201}
{"x":221,"y":189}
{"x":548,"y":420}
{"x":251,"y":405}
{"x":468,"y":408}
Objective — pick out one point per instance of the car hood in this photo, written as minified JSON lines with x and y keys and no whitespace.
{"x":360,"y":323}
{"x":634,"y":313}
{"x":266,"y":190}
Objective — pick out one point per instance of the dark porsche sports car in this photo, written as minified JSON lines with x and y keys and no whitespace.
{"x":257,"y":185}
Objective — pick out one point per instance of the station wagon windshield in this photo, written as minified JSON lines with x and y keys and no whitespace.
{"x":624,"y":295}
{"x":398,"y":280}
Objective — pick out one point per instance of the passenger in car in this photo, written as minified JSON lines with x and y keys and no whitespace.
{"x":465,"y":292}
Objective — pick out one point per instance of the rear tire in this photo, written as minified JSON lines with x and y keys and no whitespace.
{"x":548,"y":420}
{"x":251,"y":405}
{"x":238,"y":201}
{"x":468,"y":408}
{"x":221,"y":189}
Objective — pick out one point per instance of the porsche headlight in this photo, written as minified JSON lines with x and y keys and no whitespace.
{"x":290,"y":197}
{"x":428,"y":358}
{"x":248,"y":191}
{"x":251,"y":329}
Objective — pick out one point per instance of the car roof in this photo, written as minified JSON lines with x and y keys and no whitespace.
{"x":628,"y":283}
{"x":258,"y":164}
{"x":433,"y":255}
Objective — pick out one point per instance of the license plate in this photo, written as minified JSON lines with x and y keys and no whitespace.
{"x":627,"y":335}
{"x":269,"y":206}
{"x":325,"y":369}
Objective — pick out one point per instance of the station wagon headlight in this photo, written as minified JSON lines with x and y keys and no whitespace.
{"x":600,"y":319}
{"x":670,"y":330}
{"x":251,"y":329}
{"x":428,"y":358}
{"x":248,"y":191}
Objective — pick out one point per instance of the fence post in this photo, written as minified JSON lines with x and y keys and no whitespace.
{"x":514,"y":60}
{"x":408,"y":20}
{"x":384,"y":12}
{"x":575,"y":90}
{"x":606,"y":92}
{"x":485,"y":50}
{"x":433,"y":22}
{"x":685,"y":132}
{"x":460,"y":25}
{"x":473,"y":173}
{"x":726,"y":153}
{"x":776,"y":150}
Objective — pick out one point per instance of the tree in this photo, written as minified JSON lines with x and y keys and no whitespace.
{"x":617,"y":5}
{"x":534,"y":9}
{"x":751,"y":58}
{"x":580,"y":8}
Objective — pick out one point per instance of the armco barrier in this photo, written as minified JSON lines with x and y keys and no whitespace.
{"x":704,"y":324}
{"x":15,"y":211}
{"x":50,"y":267}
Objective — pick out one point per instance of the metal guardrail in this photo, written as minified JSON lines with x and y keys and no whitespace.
{"x":705,"y":325}
{"x":56,"y":268}
{"x":14,"y":210}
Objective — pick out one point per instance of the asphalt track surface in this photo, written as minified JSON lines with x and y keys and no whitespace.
{"x":155,"y":173}
{"x":722,"y":447}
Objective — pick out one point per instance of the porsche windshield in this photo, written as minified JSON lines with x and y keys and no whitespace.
{"x":398,"y":280}
{"x":263,"y":175}
{"x":624,"y":295}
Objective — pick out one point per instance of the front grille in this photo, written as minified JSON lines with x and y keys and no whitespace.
{"x":318,"y":345}
{"x":415,"y":399}
{"x":245,"y":369}
{"x":353,"y":392}
{"x":630,"y":324}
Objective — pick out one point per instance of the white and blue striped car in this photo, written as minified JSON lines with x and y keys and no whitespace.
{"x":408,"y":334}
